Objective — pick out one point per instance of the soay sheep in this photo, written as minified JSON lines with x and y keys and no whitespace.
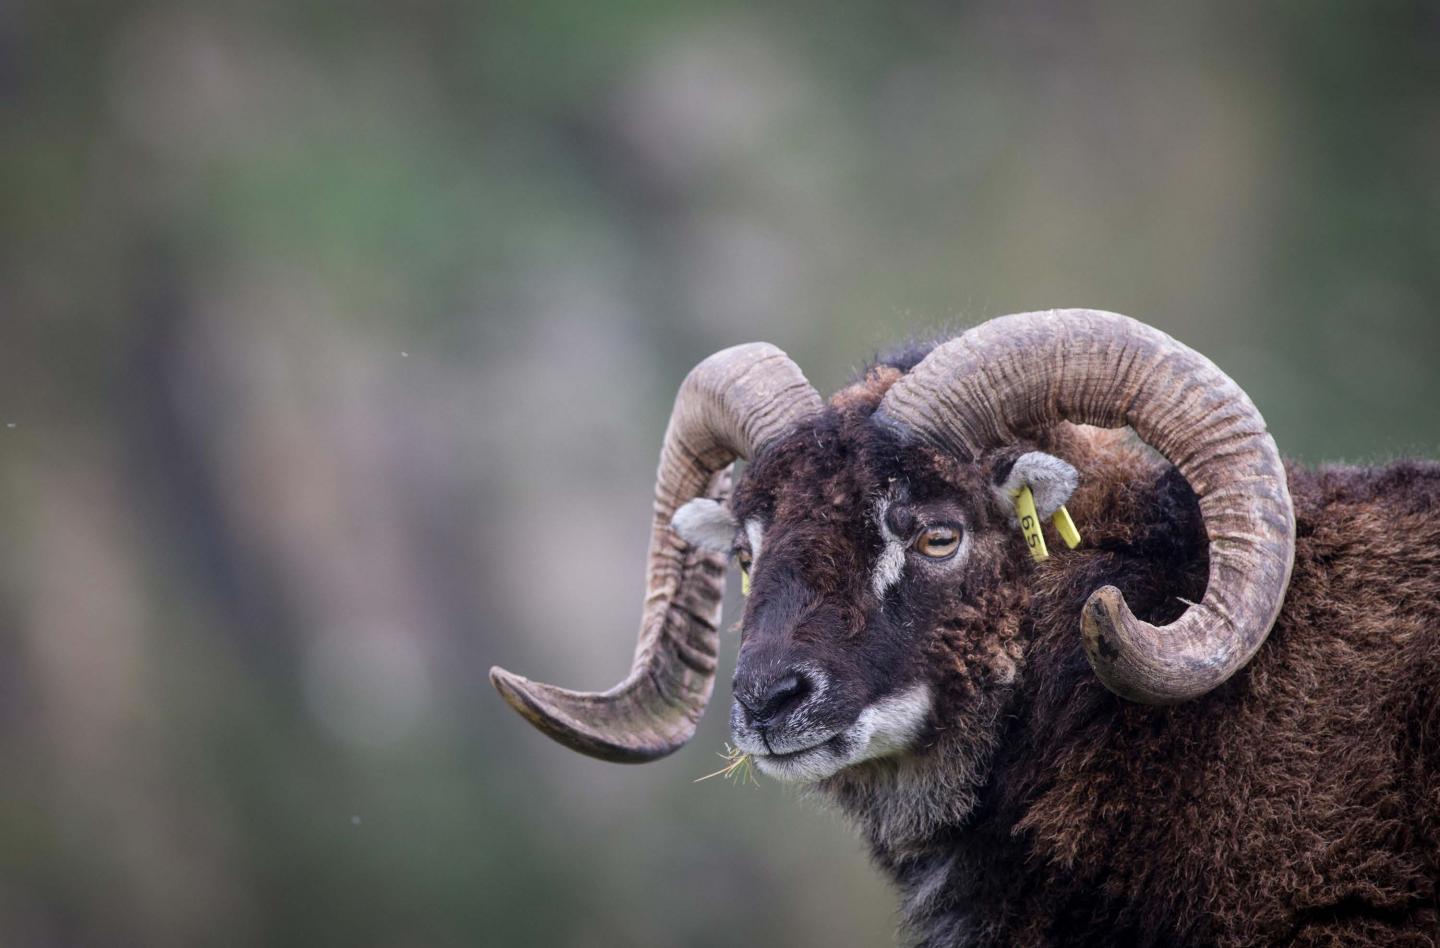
{"x":1216,"y":721}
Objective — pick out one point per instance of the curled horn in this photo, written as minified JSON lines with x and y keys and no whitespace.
{"x":731,"y":405}
{"x":1018,"y":375}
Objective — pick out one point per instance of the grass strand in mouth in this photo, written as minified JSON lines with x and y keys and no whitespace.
{"x":739,"y":767}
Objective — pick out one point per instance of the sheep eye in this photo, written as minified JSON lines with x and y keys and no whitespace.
{"x":938,"y":542}
{"x":744,"y":558}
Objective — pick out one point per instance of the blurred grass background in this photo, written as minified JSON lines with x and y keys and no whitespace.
{"x":336,"y":343}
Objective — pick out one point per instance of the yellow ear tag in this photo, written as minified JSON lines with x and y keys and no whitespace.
{"x":1030,"y":523}
{"x":744,"y":582}
{"x":1066,"y":527}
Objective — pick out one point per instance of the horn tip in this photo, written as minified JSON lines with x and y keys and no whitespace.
{"x":516,"y":691}
{"x":1105,"y":624}
{"x":1113,"y":639}
{"x":1099,"y":622}
{"x":547,"y":713}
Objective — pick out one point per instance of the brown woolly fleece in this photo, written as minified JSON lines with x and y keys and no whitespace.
{"x":1299,"y":803}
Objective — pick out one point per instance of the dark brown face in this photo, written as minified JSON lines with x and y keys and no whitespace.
{"x":874,"y":574}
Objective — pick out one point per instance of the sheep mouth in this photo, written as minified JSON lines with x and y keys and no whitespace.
{"x":883,"y":728}
{"x":796,"y":758}
{"x":807,"y":763}
{"x":798,"y":753}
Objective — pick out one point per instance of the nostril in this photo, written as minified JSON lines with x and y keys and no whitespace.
{"x":764,"y":699}
{"x":782,"y":688}
{"x":783,"y":694}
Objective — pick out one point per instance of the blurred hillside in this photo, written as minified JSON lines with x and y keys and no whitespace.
{"x":337,"y":340}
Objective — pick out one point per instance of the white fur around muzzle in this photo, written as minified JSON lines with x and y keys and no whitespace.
{"x":888,"y":726}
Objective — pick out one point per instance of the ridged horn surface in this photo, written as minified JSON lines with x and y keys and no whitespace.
{"x":1015,"y":376}
{"x":731,"y":405}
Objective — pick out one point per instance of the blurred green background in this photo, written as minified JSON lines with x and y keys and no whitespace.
{"x":337,"y":339}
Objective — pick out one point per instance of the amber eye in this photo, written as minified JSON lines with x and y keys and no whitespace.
{"x":744,"y":559}
{"x":938,"y":542}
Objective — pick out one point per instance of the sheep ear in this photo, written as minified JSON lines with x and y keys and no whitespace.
{"x":705,"y":523}
{"x":1050,"y":479}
